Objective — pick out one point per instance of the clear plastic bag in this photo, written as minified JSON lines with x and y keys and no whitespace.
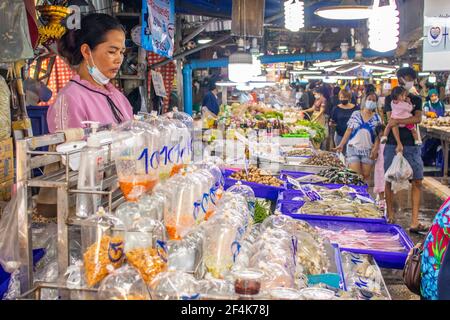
{"x":399,"y":173}
{"x":123,"y":284}
{"x":145,"y":247}
{"x":102,"y":245}
{"x":137,"y":156}
{"x":174,"y":285}
{"x":16,"y":42}
{"x":9,"y":237}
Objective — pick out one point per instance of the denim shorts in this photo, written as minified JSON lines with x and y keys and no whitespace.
{"x":411,"y":153}
{"x":354,"y":157}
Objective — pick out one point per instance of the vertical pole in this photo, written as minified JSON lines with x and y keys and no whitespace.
{"x":187,"y":86}
{"x":24,"y":217}
{"x":179,"y":62}
{"x":63,"y":234}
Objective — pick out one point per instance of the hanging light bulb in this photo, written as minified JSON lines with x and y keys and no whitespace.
{"x":240,"y":65}
{"x":294,"y":15}
{"x":384,"y":27}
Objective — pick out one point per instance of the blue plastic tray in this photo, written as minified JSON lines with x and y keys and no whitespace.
{"x":295,"y":174}
{"x":290,"y":208}
{"x":335,"y":280}
{"x":5,"y":277}
{"x":385,"y":259}
{"x":290,"y":194}
{"x":260,"y":190}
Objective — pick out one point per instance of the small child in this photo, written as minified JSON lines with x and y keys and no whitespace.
{"x":401,"y":109}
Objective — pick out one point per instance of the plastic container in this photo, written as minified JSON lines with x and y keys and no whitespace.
{"x":385,"y":259}
{"x":247,"y":282}
{"x":285,"y":294}
{"x":260,"y":190}
{"x":314,"y":293}
{"x":290,"y":208}
{"x":136,"y":150}
{"x":90,"y":175}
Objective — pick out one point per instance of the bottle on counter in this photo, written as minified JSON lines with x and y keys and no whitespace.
{"x":90,"y":174}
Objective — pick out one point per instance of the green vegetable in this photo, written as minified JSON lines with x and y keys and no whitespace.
{"x":319,"y":129}
{"x":262,"y":211}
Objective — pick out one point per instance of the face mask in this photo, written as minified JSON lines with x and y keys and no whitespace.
{"x":316,"y":96}
{"x":371,"y":105}
{"x":408,"y":84}
{"x":434,"y":100}
{"x":344,"y":102}
{"x":97,"y":75}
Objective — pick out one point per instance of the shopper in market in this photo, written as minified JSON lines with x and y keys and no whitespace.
{"x":340,"y":116}
{"x":406,"y":77}
{"x":95,"y":52}
{"x":319,"y":107}
{"x":211,"y":101}
{"x":361,"y":135}
{"x":430,"y":146}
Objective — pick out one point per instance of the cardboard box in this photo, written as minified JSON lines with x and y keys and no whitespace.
{"x":6,"y":190}
{"x":6,"y":160}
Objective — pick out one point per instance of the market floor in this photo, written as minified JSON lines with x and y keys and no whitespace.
{"x":429,"y":206}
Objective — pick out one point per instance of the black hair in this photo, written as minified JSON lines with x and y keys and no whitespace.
{"x":397,"y":91}
{"x":406,"y":71}
{"x":94,"y":28}
{"x":370,"y":88}
{"x":212,"y":87}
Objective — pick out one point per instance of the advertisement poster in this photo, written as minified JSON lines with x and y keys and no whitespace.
{"x":436,"y":43}
{"x":158,"y":26}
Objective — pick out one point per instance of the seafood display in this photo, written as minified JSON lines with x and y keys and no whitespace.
{"x":337,"y":206}
{"x":361,"y":239}
{"x":303,"y":152}
{"x":342,"y":176}
{"x":325,"y":159}
{"x":437,"y":122}
{"x":257,"y":176}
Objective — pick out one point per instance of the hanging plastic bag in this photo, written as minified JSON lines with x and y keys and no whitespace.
{"x":103,"y":246}
{"x":14,"y":32}
{"x":399,"y":173}
{"x":9,"y":238}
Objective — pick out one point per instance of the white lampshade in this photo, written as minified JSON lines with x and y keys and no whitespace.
{"x":240,"y":67}
{"x":294,"y":15}
{"x":384,"y":27}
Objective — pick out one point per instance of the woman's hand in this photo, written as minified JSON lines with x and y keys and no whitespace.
{"x":374,"y":154}
{"x":338,"y":149}
{"x":399,"y":148}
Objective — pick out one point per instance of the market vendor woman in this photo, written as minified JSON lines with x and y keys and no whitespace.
{"x":95,"y":52}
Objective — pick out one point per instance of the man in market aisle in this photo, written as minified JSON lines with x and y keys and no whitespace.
{"x":406,"y":77}
{"x":211,"y":101}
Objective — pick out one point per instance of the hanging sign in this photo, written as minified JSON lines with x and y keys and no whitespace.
{"x":158,"y":27}
{"x":436,"y":44}
{"x":158,"y":84}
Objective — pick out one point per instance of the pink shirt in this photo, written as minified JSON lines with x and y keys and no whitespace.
{"x":401,"y":110}
{"x":76,"y":103}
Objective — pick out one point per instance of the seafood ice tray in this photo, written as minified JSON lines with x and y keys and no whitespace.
{"x":289,"y":207}
{"x":260,"y":190}
{"x":293,"y":174}
{"x":385,"y":259}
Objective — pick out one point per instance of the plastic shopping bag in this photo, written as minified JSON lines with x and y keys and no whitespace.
{"x":9,"y":237}
{"x":399,"y":173}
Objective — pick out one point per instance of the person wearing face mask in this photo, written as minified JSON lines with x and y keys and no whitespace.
{"x":340,"y":116}
{"x":361,"y":135}
{"x":95,"y":52}
{"x":319,"y":107}
{"x":434,"y":104}
{"x":412,"y":152}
